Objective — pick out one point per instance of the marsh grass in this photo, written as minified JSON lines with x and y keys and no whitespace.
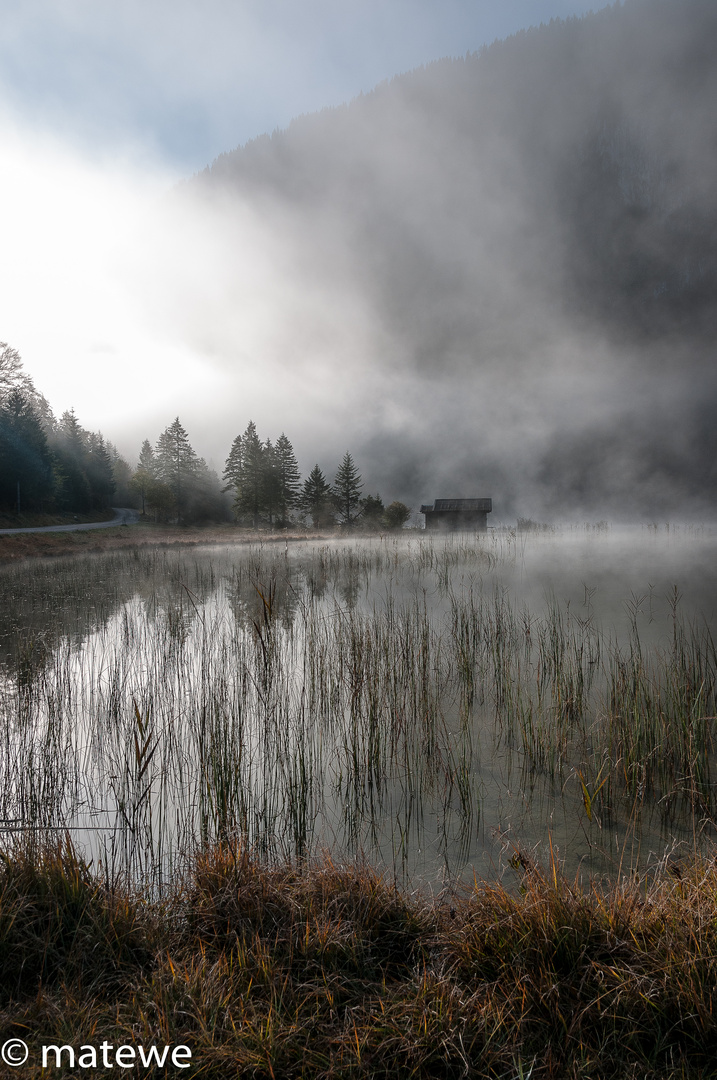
{"x":353,"y":696}
{"x":319,"y":969}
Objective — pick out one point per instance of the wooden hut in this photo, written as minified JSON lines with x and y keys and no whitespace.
{"x":458,"y":515}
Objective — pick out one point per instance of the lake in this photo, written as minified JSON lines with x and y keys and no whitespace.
{"x":439,"y":706}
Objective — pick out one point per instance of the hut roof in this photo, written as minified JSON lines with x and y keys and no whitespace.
{"x":462,"y":505}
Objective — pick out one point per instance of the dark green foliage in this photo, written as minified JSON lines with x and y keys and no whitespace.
{"x":145,"y":475}
{"x":271,"y":482}
{"x":84,"y":466}
{"x":70,"y":447}
{"x":55,"y":465}
{"x":289,"y":478}
{"x":205,"y":501}
{"x":347,"y":490}
{"x":232,"y":467}
{"x":25,"y":457}
{"x":176,"y":464}
{"x":396,"y":515}
{"x":60,"y":465}
{"x":173,"y":482}
{"x":99,"y":471}
{"x":264,"y":477}
{"x":125,"y":493}
{"x":316,"y":499}
{"x":372,"y":512}
{"x":249,"y":501}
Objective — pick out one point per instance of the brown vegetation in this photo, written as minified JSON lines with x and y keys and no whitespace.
{"x":34,"y":545}
{"x":321,"y":970}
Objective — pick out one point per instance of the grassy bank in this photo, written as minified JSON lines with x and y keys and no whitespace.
{"x":328,"y":971}
{"x":39,"y":545}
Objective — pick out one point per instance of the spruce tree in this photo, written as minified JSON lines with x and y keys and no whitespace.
{"x":122,"y":476}
{"x":145,"y":474}
{"x":176,"y":463}
{"x":70,"y":445}
{"x":233,"y":467}
{"x":99,"y":472}
{"x":315,"y":499}
{"x":347,"y":490}
{"x":147,"y":459}
{"x":26,"y":463}
{"x":271,"y":481}
{"x":250,"y":492}
{"x":289,"y":478}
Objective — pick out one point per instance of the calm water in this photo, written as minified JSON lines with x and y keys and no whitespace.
{"x":431,"y":704}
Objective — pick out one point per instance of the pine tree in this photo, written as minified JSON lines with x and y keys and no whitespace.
{"x":176,"y":463}
{"x":98,"y":469}
{"x":270,"y":487}
{"x":26,"y":465}
{"x":145,"y":475}
{"x":233,"y":466}
{"x":205,"y":497}
{"x":250,"y":491}
{"x":315,"y":499}
{"x":122,"y":476}
{"x":289,"y":478}
{"x":70,"y":445}
{"x":347,"y":490}
{"x":147,"y":459}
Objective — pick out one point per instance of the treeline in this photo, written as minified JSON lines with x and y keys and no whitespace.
{"x":262,"y":486}
{"x":50,"y":465}
{"x":265,"y":482}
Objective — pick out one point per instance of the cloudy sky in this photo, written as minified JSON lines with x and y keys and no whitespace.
{"x":104,"y":105}
{"x":184,"y":80}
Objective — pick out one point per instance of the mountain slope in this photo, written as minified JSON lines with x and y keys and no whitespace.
{"x":532,"y":235}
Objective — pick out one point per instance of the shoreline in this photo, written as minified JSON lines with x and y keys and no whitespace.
{"x":18,"y":546}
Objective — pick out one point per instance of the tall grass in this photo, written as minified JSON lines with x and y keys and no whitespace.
{"x":357,"y":696}
{"x":322,"y":969}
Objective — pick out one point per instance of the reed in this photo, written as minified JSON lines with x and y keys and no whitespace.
{"x":359,"y":696}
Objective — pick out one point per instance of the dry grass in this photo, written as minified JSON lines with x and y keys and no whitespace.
{"x":320,"y":970}
{"x":140,"y":535}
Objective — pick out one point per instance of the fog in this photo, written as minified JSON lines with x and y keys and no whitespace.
{"x":492,"y":277}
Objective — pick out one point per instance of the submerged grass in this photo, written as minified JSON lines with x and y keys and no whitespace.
{"x":260,"y":708}
{"x":316,"y":969}
{"x":352,"y":696}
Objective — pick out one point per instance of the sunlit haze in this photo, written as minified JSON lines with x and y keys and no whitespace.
{"x":103,"y":112}
{"x":136,"y":291}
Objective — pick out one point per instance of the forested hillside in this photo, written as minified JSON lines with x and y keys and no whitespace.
{"x":532,"y":231}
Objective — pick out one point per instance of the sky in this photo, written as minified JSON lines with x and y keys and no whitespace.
{"x":180,"y":81}
{"x":104,"y":106}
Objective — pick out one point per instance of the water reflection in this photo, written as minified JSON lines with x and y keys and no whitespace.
{"x":429,"y":703}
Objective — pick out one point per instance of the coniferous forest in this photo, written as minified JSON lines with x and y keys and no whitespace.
{"x":55,"y":465}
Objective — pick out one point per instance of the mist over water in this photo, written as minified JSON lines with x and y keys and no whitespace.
{"x":432,"y":704}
